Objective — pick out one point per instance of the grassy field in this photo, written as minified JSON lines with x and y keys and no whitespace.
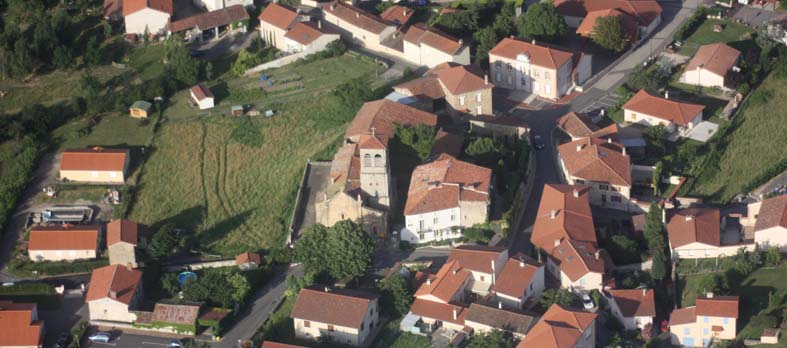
{"x":736,"y":35}
{"x":233,"y":195}
{"x":753,"y":143}
{"x":391,"y":337}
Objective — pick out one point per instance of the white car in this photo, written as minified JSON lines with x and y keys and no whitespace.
{"x":102,"y":337}
{"x":587,"y":302}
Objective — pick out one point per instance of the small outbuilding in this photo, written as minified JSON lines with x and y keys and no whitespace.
{"x":202,"y":96}
{"x":140,"y":109}
{"x":248,"y":261}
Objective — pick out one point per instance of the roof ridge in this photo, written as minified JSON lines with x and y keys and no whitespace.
{"x":112,"y":280}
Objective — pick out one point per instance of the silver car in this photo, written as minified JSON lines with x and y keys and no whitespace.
{"x":101,"y":337}
{"x":587,"y":302}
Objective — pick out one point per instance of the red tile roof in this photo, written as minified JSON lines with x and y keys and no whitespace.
{"x":439,"y":311}
{"x":477,"y":258}
{"x":645,"y":11}
{"x":717,"y":58}
{"x":500,"y":319}
{"x":516,"y":276}
{"x":444,"y":183}
{"x":201,"y":92}
{"x":82,"y":237}
{"x":213,"y":19}
{"x":560,"y":327}
{"x":304,"y":33}
{"x":183,"y":314}
{"x":694,"y":225}
{"x":397,"y":14}
{"x":18,"y":327}
{"x":539,"y":55}
{"x":635,"y":303}
{"x":449,"y":280}
{"x":116,"y":282}
{"x":463,"y":79}
{"x":122,"y":231}
{"x":447,"y":143}
{"x":339,"y":307}
{"x":427,"y":86}
{"x":578,"y":258}
{"x":132,"y":6}
{"x":773,"y":212}
{"x":718,"y":306}
{"x":667,"y":109}
{"x":280,"y":16}
{"x":596,"y":160}
{"x":269,"y":344}
{"x":627,"y":23}
{"x":94,"y":159}
{"x":420,"y":34}
{"x":572,"y":216}
{"x":357,"y":17}
{"x":576,"y":125}
{"x":383,"y":114}
{"x":248,"y":257}
{"x":682,"y":316}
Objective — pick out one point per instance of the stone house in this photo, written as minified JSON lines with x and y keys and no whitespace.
{"x":345,"y":316}
{"x":123,"y":238}
{"x":113,"y":294}
{"x":459,"y":89}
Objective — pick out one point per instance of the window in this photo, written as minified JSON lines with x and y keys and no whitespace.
{"x":686,"y":331}
{"x":478,"y":110}
{"x":421,"y":225}
{"x":603,"y":198}
{"x":421,"y":236}
{"x":498,"y":64}
{"x":497,"y":76}
{"x":367,"y":160}
{"x":482,"y":278}
{"x":579,"y":181}
{"x":307,"y":323}
{"x":548,"y":88}
{"x":453,"y":217}
{"x":705,"y":332}
{"x":462,"y":100}
{"x":603,"y":187}
{"x":633,"y":115}
{"x":509,"y":67}
{"x":531,"y":287}
{"x":546,"y":75}
{"x":330,"y":328}
{"x":705,"y":319}
{"x":725,"y":321}
{"x":478,"y":97}
{"x":582,"y":281}
{"x":524,"y":80}
{"x":378,"y":160}
{"x":362,"y":324}
{"x":434,"y":221}
{"x":535,"y":73}
{"x":615,"y":199}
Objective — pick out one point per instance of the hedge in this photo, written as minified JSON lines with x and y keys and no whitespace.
{"x":27,"y":267}
{"x":42,"y":294}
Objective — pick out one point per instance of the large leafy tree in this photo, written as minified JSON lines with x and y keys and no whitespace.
{"x":351,"y":250}
{"x":659,"y":268}
{"x":608,"y":33}
{"x":654,"y":229}
{"x":623,"y":249}
{"x":397,"y":295}
{"x":163,"y":242}
{"x":492,"y":339}
{"x":542,"y":22}
{"x":557,"y":296}
{"x":310,"y":249}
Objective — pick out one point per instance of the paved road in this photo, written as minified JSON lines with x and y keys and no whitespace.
{"x":599,"y":95}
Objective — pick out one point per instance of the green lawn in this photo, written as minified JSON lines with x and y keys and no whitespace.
{"x":733,"y":34}
{"x":391,"y":337}
{"x":753,"y":143}
{"x":233,"y":195}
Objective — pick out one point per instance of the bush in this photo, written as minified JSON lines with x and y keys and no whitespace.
{"x":50,"y":268}
{"x":690,"y":25}
{"x":478,"y":234}
{"x":77,"y":332}
{"x":42,"y":294}
{"x":623,"y":250}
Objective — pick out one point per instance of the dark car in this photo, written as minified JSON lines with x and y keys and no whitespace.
{"x":63,"y":340}
{"x":538,"y":143}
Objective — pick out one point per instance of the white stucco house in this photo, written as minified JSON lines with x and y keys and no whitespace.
{"x":147,"y":16}
{"x":648,"y":110}
{"x":114,"y":292}
{"x":769,"y":220}
{"x":345,"y":316}
{"x":634,"y":308}
{"x":713,"y":65}
{"x":202,"y":96}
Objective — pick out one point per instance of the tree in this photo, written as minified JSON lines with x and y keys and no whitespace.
{"x":163,"y":242}
{"x":420,"y":138}
{"x":745,"y":262}
{"x":477,"y":234}
{"x":542,"y":22}
{"x":485,"y":150}
{"x":710,"y":283}
{"x":243,"y":62}
{"x":239,"y":286}
{"x":557,"y":296}
{"x":170,"y":283}
{"x":396,"y":295}
{"x":654,"y":139}
{"x":623,"y":249}
{"x":44,"y":39}
{"x":351,"y":250}
{"x":310,"y":249}
{"x":658,"y":269}
{"x":609,"y":34}
{"x":62,"y":58}
{"x":354,"y":92}
{"x":657,"y":177}
{"x":92,"y":56}
{"x":773,"y":257}
{"x":22,"y":59}
{"x":653,"y":230}
{"x":492,"y":339}
{"x":485,"y":39}
{"x":208,"y":71}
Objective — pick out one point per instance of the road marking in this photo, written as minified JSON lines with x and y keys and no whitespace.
{"x":154,"y":343}
{"x":108,"y":344}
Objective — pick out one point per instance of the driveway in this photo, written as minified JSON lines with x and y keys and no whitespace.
{"x":754,"y":16}
{"x":233,"y":41}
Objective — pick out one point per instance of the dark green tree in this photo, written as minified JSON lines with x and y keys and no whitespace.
{"x":420,"y":138}
{"x":557,"y":296}
{"x":623,"y":249}
{"x":542,"y":22}
{"x":485,"y":150}
{"x":92,"y":56}
{"x":492,"y":339}
{"x":712,"y":282}
{"x":658,"y":269}
{"x":169,"y":282}
{"x":311,"y":249}
{"x":654,"y":139}
{"x":485,"y":39}
{"x":62,"y":58}
{"x":354,"y":92}
{"x":653,"y":230}
{"x":44,"y":39}
{"x":773,"y":257}
{"x":608,"y":33}
{"x":396,"y":295}
{"x":351,"y":250}
{"x":164,"y":241}
{"x":22,"y":59}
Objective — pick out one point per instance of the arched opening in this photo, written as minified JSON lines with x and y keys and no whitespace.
{"x":378,"y":160}
{"x":367,"y":160}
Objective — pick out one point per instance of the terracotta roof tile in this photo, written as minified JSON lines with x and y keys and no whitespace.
{"x":115,"y":282}
{"x":340,"y":307}
{"x":447,"y":143}
{"x":628,"y":23}
{"x":269,"y":344}
{"x":427,"y":86}
{"x":439,"y":311}
{"x":560,"y":327}
{"x":516,"y":276}
{"x":682,"y":316}
{"x":667,"y":109}
{"x":201,"y":92}
{"x":280,"y":16}
{"x":368,"y":141}
{"x":578,"y":258}
{"x":383,"y":114}
{"x":305,"y":33}
{"x":132,"y":6}
{"x":718,"y":306}
{"x":463,"y":79}
{"x":717,"y":58}
{"x":123,"y":231}
{"x":636,"y":302}
{"x":596,"y":160}
{"x":576,"y":125}
{"x":434,"y":38}
{"x":645,"y":11}
{"x":82,"y":237}
{"x":572,"y":216}
{"x":540,"y":55}
{"x":773,"y":212}
{"x":442,"y":184}
{"x":18,"y":327}
{"x":212,"y":19}
{"x":248,"y":257}
{"x":477,"y":258}
{"x":183,"y":314}
{"x":446,"y":283}
{"x":358,"y":18}
{"x":501,"y":319}
{"x":397,"y":14}
{"x":94,"y":159}
{"x":694,"y":225}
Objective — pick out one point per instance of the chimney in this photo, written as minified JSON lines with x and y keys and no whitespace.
{"x":357,"y":15}
{"x":113,"y":294}
{"x":333,"y":7}
{"x":319,"y":24}
{"x":663,"y":216}
{"x":326,"y":289}
{"x":557,"y":242}
{"x":455,"y":314}
{"x":597,"y":254}
{"x":521,"y":263}
{"x":709,"y":294}
{"x":512,"y":37}
{"x":486,"y":79}
{"x":372,"y":130}
{"x":553,"y":213}
{"x":428,"y":281}
{"x":644,"y":291}
{"x":453,"y":271}
{"x":624,"y":151}
{"x":499,"y":304}
{"x":493,"y":270}
{"x":576,"y":193}
{"x":609,"y":140}
{"x":533,"y":41}
{"x":579,"y":147}
{"x":689,"y":217}
{"x":666,"y":94}
{"x":461,"y":42}
{"x":404,"y":12}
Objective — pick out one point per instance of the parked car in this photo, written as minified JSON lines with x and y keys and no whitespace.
{"x":538,"y":143}
{"x":63,"y":340}
{"x":102,"y":337}
{"x":181,"y":343}
{"x":587,"y":302}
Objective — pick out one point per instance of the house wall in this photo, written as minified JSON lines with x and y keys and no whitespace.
{"x":122,"y":254}
{"x":702,"y":77}
{"x":542,"y":81}
{"x":651,"y":120}
{"x":769,"y":237}
{"x":697,"y":334}
{"x":60,"y":255}
{"x":497,"y":130}
{"x":573,"y":22}
{"x":603,"y":194}
{"x":533,"y":291}
{"x":315,"y":46}
{"x":134,"y":112}
{"x":376,"y":175}
{"x":107,"y":309}
{"x":340,"y":334}
{"x":645,"y":31}
{"x":356,"y":35}
{"x":630,"y":323}
{"x":483,"y":328}
{"x":436,"y":221}
{"x":273,"y":35}
{"x":342,"y":207}
{"x":94,"y":176}
{"x":206,"y":103}
{"x":473,"y":213}
{"x":449,"y":325}
{"x":584,"y":69}
{"x":703,"y":251}
{"x":475,"y":102}
{"x":211,"y":5}
{"x":228,"y":3}
{"x":588,"y":282}
{"x":154,"y":21}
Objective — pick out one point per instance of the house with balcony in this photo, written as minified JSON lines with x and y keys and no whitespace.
{"x":342,"y":315}
{"x":634,"y":308}
{"x":712,"y":318}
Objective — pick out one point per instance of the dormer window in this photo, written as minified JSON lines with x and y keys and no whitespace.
{"x":523,"y":57}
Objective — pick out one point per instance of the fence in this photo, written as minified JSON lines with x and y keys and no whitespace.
{"x":299,"y":203}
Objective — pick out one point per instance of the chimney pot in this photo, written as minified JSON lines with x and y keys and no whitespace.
{"x":533,"y":41}
{"x":576,"y":193}
{"x":579,"y":147}
{"x":486,"y":79}
{"x":609,"y":140}
{"x":319,"y":24}
{"x":326,"y":289}
{"x":553,"y":214}
{"x":597,"y":254}
{"x":557,"y":242}
{"x":453,"y":271}
{"x":644,"y":291}
{"x":455,"y":314}
{"x":521,"y":263}
{"x":113,"y":294}
{"x":428,"y":281}
{"x":689,"y":217}
{"x":499,"y":305}
{"x":666,"y":94}
{"x":709,"y":294}
{"x":624,"y":151}
{"x":357,"y":15}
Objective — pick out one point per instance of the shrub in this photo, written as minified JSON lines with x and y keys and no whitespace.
{"x":42,"y":294}
{"x":690,"y":25}
{"x":477,"y":234}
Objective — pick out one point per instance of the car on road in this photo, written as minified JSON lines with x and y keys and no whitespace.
{"x":63,"y":340}
{"x":101,"y":337}
{"x":538,"y":143}
{"x":181,"y":343}
{"x":587,"y":302}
